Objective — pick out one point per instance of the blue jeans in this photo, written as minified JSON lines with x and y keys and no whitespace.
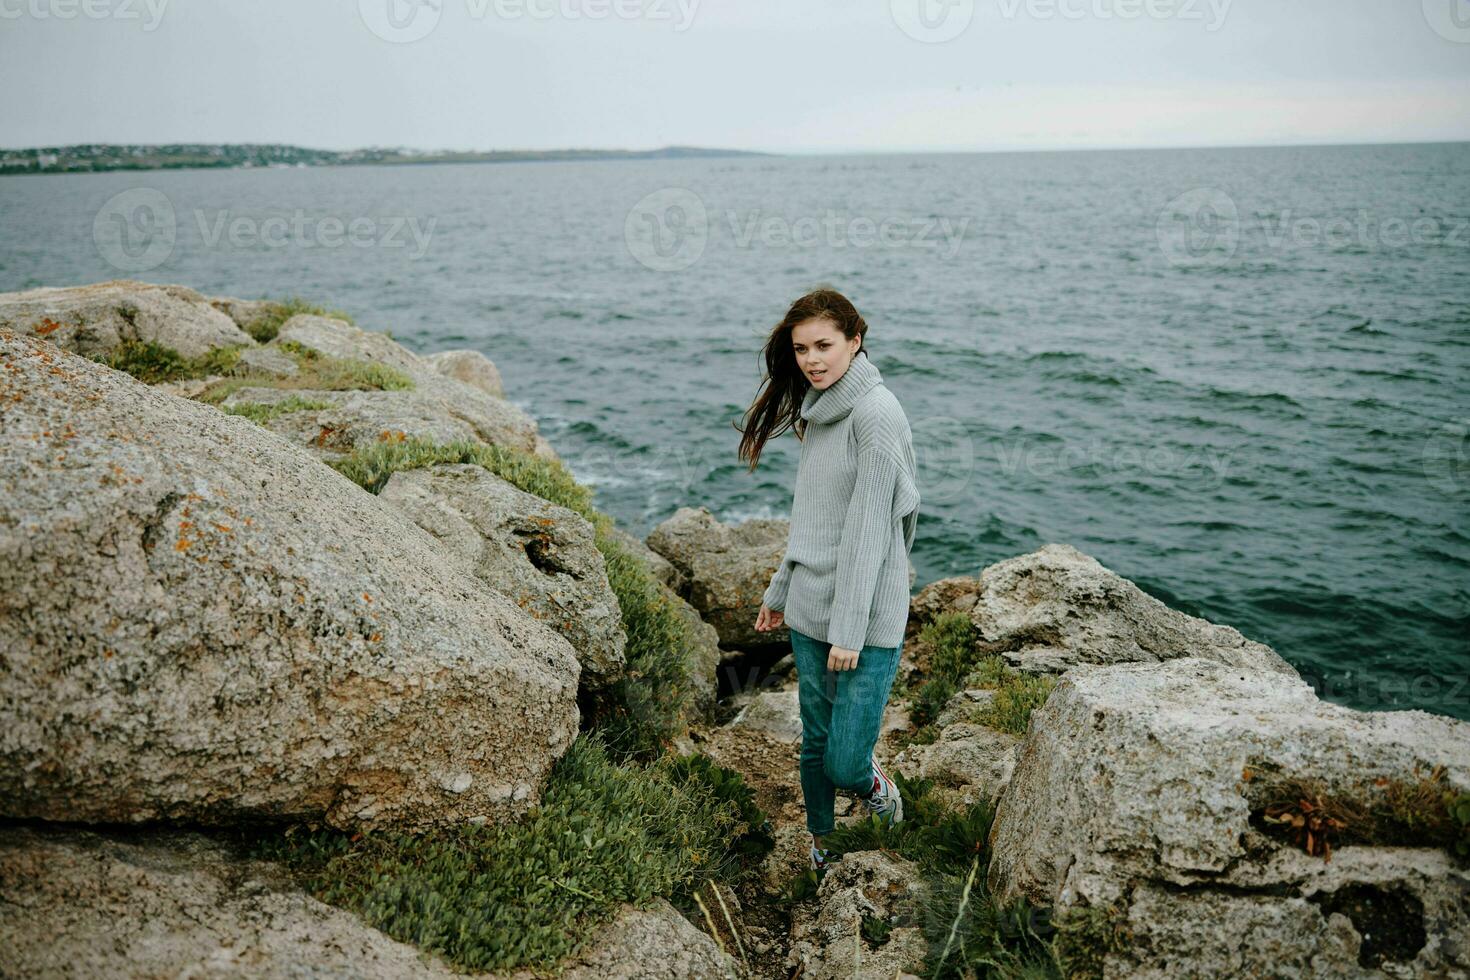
{"x":841,"y":714}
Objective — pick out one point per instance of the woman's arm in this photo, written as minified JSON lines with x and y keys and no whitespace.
{"x":867,"y":534}
{"x":775,"y":597}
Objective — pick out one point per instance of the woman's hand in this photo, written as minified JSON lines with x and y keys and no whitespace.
{"x":840,"y":659}
{"x":769,"y":619}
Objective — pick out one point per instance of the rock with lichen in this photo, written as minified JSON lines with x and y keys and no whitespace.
{"x":722,"y":570}
{"x":469,"y":366}
{"x":175,"y":903}
{"x":98,"y":318}
{"x":1142,"y":791}
{"x":199,"y":621}
{"x":1055,"y":608}
{"x":542,"y":557}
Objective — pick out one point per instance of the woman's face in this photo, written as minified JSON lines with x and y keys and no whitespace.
{"x":822,"y":353}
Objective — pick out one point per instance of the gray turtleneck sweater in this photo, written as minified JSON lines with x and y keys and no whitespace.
{"x":844,"y":579}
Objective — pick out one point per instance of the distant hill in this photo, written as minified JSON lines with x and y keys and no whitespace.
{"x":91,"y":157}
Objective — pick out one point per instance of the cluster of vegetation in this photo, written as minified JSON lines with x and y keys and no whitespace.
{"x":641,"y":713}
{"x":530,"y":892}
{"x":154,"y":363}
{"x":956,"y":662}
{"x":265,"y":327}
{"x":1420,"y":811}
{"x":968,"y":931}
{"x":315,"y":372}
{"x":262,"y":412}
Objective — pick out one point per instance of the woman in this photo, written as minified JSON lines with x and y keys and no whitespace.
{"x":842,"y":587}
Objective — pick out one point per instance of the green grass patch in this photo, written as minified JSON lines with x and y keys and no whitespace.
{"x":955,"y":663}
{"x":267,"y":326}
{"x":529,"y":893}
{"x":154,"y":363}
{"x":262,"y":412}
{"x":640,"y":714}
{"x":316,"y":372}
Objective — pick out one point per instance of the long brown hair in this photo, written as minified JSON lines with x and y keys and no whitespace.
{"x":777,"y":406}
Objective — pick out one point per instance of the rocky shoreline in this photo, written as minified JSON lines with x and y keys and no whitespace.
{"x":262,"y":569}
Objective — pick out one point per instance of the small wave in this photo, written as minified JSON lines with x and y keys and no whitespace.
{"x":1252,"y":397}
{"x":1211,"y":525}
{"x":596,"y":434}
{"x":1093,"y":378}
{"x":1204,"y":423}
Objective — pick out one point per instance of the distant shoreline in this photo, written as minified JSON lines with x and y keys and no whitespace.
{"x":105,"y":157}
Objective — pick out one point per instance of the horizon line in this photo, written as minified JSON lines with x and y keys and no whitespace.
{"x":790,"y":151}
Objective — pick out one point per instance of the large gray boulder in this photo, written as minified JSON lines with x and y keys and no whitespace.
{"x":338,"y":338}
{"x":1140,"y":786}
{"x":80,"y":904}
{"x":722,"y":570}
{"x":541,"y":556}
{"x":97,"y":318}
{"x":199,"y":621}
{"x":469,"y":366}
{"x":1056,"y":607}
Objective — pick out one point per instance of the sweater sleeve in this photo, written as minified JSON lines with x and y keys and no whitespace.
{"x":867,"y":533}
{"x":775,"y":597}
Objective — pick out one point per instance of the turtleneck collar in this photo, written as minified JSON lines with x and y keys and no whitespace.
{"x":834,"y":403}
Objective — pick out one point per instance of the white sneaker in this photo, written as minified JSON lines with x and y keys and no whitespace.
{"x":886,"y":801}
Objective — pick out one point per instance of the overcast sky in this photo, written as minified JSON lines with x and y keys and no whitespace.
{"x":775,"y":75}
